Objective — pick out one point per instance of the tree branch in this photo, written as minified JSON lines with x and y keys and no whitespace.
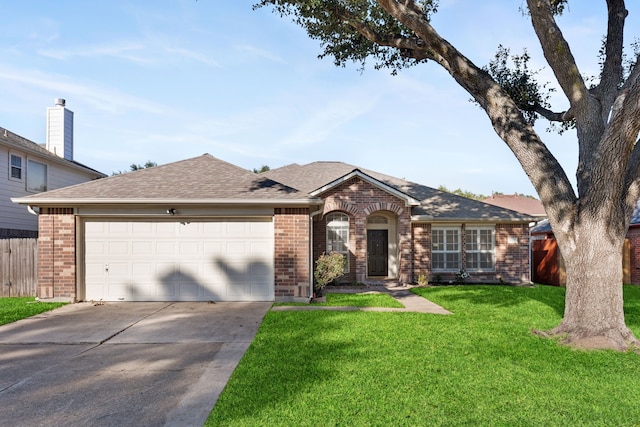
{"x":542,"y":168}
{"x":552,"y":116}
{"x":611,"y":75}
{"x":411,"y":47}
{"x":557,"y":52}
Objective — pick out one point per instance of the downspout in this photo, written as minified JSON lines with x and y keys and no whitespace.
{"x":311,"y":215}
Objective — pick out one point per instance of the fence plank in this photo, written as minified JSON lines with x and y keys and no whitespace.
{"x":18,"y":267}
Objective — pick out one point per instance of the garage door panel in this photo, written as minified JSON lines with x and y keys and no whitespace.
{"x":220,"y":260}
{"x":141,"y":247}
{"x":117,"y":247}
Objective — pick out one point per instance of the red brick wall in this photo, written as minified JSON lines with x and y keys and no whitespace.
{"x":292,"y":270}
{"x":512,"y":260}
{"x":359,"y":199}
{"x":57,"y":253}
{"x":634,"y":239}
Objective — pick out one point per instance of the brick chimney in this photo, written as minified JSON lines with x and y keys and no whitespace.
{"x":60,"y":130}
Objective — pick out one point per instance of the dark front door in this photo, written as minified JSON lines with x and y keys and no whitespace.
{"x":377,"y":252}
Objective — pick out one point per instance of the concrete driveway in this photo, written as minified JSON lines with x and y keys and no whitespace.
{"x":122,"y":364}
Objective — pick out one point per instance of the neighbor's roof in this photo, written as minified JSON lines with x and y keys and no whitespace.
{"x":544,"y":227}
{"x":434,"y":204}
{"x":196,"y":180}
{"x":523,"y":204}
{"x":19,"y":143}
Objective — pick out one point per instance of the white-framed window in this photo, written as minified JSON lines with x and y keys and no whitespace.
{"x":36,"y":176}
{"x":15,"y":167}
{"x":480,"y":248}
{"x":445,"y":248}
{"x":338,"y":235}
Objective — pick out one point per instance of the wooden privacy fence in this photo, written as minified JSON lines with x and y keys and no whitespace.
{"x":548,"y":265}
{"x":18,"y":267}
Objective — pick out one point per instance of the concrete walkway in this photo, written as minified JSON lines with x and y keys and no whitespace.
{"x":412,"y":302}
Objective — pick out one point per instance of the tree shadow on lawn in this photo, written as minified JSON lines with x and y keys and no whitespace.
{"x":271,"y":374}
{"x":494,"y":296}
{"x":499,"y":296}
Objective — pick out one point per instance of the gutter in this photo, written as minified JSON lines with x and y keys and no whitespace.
{"x":43,"y":201}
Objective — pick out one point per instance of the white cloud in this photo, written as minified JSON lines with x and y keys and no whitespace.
{"x":195,"y":56}
{"x":121,"y":50}
{"x":262,"y":53}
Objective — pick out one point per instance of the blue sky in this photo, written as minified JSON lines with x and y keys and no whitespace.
{"x":172,"y":79}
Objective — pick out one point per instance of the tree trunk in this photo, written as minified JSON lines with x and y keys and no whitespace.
{"x":594,"y":316}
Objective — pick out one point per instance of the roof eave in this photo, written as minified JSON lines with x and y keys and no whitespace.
{"x":509,"y":220}
{"x":55,"y":159}
{"x":142,"y":201}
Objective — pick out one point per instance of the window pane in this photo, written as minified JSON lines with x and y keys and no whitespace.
{"x":486,"y":260}
{"x":338,"y":235}
{"x":36,"y":176}
{"x":438,"y":261}
{"x":472,"y":260}
{"x":471,"y":237}
{"x":453,"y":260}
{"x":16,"y":167}
{"x":437,"y":240}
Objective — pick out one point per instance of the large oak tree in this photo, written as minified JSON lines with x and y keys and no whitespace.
{"x":589,"y":224}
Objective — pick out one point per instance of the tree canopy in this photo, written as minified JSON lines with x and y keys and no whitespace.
{"x":589,"y":221}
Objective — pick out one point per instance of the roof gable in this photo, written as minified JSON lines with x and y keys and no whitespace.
{"x":432,"y":204}
{"x":410,"y":201}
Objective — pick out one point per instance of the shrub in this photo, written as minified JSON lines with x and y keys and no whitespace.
{"x":461,"y":276}
{"x":423,"y":279}
{"x":328,"y":268}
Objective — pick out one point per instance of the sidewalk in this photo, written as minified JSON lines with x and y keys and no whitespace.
{"x":412,"y":302}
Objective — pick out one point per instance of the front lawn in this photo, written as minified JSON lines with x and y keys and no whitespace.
{"x":368,"y":299}
{"x":16,"y":308}
{"x":479,"y":366}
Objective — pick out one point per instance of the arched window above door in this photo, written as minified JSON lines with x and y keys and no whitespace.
{"x":377,"y":219}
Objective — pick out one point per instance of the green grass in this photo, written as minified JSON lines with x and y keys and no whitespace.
{"x":355,"y":300}
{"x":479,"y":366}
{"x":16,"y":308}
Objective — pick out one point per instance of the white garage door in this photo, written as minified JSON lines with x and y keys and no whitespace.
{"x":225,"y":260}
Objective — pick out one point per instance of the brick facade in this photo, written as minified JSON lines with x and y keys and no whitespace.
{"x":292,"y":246}
{"x":359,"y":199}
{"x":511,"y":255}
{"x":633,"y":234}
{"x":57,"y":253}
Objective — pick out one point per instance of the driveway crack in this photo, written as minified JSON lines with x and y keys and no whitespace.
{"x":124,"y":329}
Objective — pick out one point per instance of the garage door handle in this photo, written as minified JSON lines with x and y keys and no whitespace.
{"x":106,"y":268}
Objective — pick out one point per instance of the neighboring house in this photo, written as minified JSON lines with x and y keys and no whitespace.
{"x":522,"y":204}
{"x":29,"y":168}
{"x":203,"y":229}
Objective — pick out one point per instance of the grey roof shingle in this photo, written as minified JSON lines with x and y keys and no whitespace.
{"x":199,"y":178}
{"x":10,"y":139}
{"x":206,"y":178}
{"x":434,"y":203}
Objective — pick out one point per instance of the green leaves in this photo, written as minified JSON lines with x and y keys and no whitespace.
{"x":354,"y":30}
{"x":512,"y":73}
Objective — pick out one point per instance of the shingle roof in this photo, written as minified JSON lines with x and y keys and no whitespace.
{"x":10,"y":139}
{"x":434,"y":203}
{"x":199,"y":178}
{"x":526,"y":205}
